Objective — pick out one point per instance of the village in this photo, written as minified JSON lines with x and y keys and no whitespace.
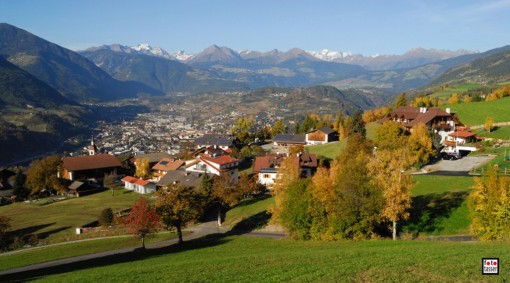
{"x":154,"y":141}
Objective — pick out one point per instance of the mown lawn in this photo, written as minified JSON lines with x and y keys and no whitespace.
{"x":498,"y":133}
{"x":249,"y":214}
{"x":330,"y":150}
{"x":248,"y":259}
{"x":56,"y":222}
{"x":43,"y":254}
{"x":439,"y":206}
{"x":475,"y":113}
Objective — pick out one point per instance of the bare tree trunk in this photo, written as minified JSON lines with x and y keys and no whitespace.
{"x":179,"y":233}
{"x":394,"y":230}
{"x":143,"y":242}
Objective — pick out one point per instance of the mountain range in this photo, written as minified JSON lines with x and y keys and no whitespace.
{"x":45,"y":88}
{"x":294,"y":68}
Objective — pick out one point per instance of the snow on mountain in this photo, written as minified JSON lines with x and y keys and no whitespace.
{"x":329,"y":55}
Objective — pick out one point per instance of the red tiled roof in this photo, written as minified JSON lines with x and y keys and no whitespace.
{"x":135,"y":181}
{"x":168,"y":164}
{"x":462,"y":134}
{"x":89,"y":162}
{"x":129,"y":179}
{"x":265,"y":161}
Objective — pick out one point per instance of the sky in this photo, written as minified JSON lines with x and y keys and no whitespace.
{"x":365,"y":27}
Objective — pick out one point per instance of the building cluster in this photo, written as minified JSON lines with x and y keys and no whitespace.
{"x":211,"y":153}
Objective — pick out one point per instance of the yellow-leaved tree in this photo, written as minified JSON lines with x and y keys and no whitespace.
{"x":489,"y":206}
{"x":489,"y":124}
{"x":142,"y":168}
{"x":420,"y":145}
{"x":387,"y":170}
{"x":287,"y":172}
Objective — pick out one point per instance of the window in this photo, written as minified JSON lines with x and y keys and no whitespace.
{"x":265,"y":176}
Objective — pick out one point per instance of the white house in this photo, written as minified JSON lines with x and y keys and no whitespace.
{"x":217,"y":165}
{"x":138,"y":185}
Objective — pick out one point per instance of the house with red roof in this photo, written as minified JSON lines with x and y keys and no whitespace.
{"x":223,"y":165}
{"x":457,"y":141}
{"x":138,"y":185}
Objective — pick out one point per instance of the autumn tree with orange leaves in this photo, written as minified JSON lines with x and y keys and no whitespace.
{"x":142,"y":219}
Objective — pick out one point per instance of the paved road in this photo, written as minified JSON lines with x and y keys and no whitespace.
{"x":116,"y":256}
{"x":464,"y":164}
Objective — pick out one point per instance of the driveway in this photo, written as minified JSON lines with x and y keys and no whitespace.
{"x":464,"y":164}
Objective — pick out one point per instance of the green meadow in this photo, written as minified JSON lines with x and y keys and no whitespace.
{"x":475,"y":113}
{"x":247,"y":259}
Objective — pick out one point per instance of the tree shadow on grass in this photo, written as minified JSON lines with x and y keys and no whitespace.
{"x":251,"y":223}
{"x":428,"y":210}
{"x":30,"y":230}
{"x":121,"y":256}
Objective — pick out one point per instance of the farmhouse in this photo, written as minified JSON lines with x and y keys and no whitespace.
{"x":289,"y":139}
{"x":88,"y":166}
{"x":321,"y":136}
{"x":441,"y":121}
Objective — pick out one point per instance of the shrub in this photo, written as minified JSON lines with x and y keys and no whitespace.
{"x":106,"y":217}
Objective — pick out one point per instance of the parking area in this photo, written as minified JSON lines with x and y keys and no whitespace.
{"x":464,"y":164}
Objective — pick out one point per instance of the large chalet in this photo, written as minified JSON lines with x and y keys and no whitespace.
{"x":443,"y":122}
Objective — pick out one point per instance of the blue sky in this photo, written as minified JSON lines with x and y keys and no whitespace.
{"x":367,"y":27}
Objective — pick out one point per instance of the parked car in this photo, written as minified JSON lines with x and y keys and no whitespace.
{"x":452,"y":156}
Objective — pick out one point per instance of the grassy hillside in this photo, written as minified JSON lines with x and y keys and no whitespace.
{"x":57,"y":221}
{"x":445,"y":93}
{"x":475,"y":113}
{"x":439,"y":206}
{"x":247,"y":259}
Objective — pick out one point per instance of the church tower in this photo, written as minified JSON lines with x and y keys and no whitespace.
{"x":92,"y":147}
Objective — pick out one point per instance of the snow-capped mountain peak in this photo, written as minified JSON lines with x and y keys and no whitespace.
{"x":329,"y":55}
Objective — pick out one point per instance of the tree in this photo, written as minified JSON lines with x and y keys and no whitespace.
{"x":358,"y":202}
{"x":295,"y":216}
{"x":179,"y":205}
{"x":390,"y":135}
{"x":386,"y":168}
{"x":18,"y":186}
{"x":489,"y":206}
{"x":296,"y":149}
{"x":357,"y":125}
{"x":142,"y":219}
{"x":206,"y":185}
{"x":226,"y":193}
{"x":42,"y":175}
{"x":106,"y":217}
{"x":142,"y":168}
{"x":109,"y":181}
{"x":419,"y":146}
{"x":278,"y":128}
{"x":401,"y":100}
{"x":489,"y":124}
{"x":454,"y":99}
{"x":286,"y":173}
